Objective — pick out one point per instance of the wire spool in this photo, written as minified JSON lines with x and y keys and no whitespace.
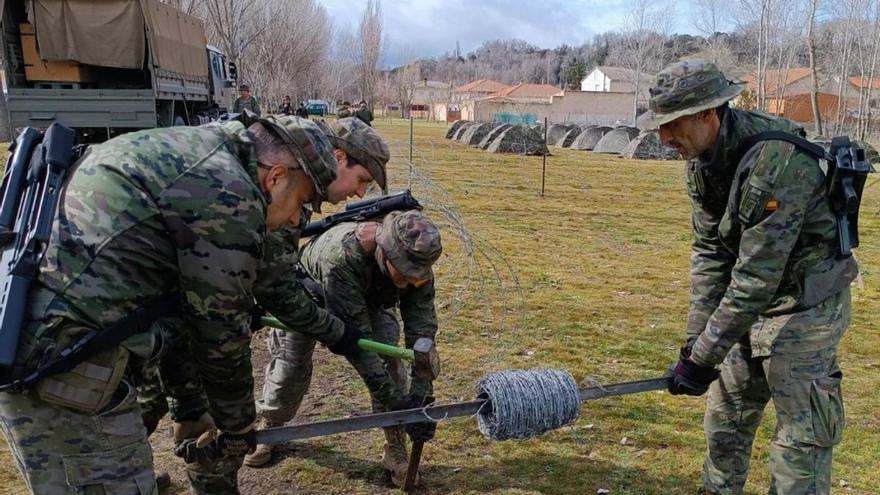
{"x":526,"y":403}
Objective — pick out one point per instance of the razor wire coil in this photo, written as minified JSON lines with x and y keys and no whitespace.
{"x":525,"y":403}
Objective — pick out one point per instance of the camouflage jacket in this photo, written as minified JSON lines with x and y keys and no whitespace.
{"x":164,"y":211}
{"x":365,"y":115}
{"x":765,"y":236}
{"x":352,"y":283}
{"x":252,"y":104}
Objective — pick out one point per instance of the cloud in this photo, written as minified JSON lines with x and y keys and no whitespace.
{"x":420,"y":28}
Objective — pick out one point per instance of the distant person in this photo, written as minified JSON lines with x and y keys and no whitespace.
{"x":245,"y":101}
{"x":302,"y":111}
{"x":364,"y":113}
{"x":286,"y":107}
{"x":344,"y":110}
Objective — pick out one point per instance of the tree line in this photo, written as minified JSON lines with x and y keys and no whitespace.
{"x":293,"y":47}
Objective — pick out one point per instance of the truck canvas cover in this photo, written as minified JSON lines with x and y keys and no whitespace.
{"x":111,"y":33}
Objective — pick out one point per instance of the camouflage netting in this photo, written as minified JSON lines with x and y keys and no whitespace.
{"x":457,"y":134}
{"x":556,"y":131}
{"x":646,"y":146}
{"x":454,"y":127}
{"x":519,"y":139}
{"x":616,"y":140}
{"x":494,"y":133}
{"x":539,"y":128}
{"x":475,"y":133}
{"x":569,"y":137}
{"x":591,"y":135}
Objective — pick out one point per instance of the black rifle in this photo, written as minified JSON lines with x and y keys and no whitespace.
{"x":364,"y":210}
{"x":847,"y":182}
{"x":32,"y":185}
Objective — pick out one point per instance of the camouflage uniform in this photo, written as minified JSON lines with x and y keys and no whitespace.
{"x":252,"y":104}
{"x":141,"y":217}
{"x":357,"y":290}
{"x":769,"y":299}
{"x":344,"y":111}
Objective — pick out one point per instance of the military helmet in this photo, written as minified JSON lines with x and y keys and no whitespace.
{"x":363,"y":144}
{"x":411,"y":242}
{"x":311,"y":148}
{"x":686,"y":88}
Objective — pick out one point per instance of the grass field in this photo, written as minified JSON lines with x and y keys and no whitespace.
{"x":592,"y":278}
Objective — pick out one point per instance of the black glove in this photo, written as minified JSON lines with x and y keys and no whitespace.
{"x":418,"y":432}
{"x":347,"y":344}
{"x":689,"y":378}
{"x":256,"y":314}
{"x":205,"y":449}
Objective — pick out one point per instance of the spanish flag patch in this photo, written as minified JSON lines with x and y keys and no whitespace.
{"x":772,"y":205}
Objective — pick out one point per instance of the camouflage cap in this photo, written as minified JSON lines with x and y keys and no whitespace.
{"x":311,"y":148}
{"x":686,"y":88}
{"x":411,"y":242}
{"x":363,"y":144}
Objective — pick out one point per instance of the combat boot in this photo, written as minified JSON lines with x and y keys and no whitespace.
{"x":263,"y":453}
{"x":395,"y":457}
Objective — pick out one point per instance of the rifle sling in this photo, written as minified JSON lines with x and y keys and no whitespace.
{"x":97,"y":340}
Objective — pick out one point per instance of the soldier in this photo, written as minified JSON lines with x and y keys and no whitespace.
{"x":302,"y":111}
{"x":286,"y":107}
{"x":344,"y":110}
{"x":360,"y":155}
{"x":364,"y":271}
{"x":770,"y":299}
{"x":181,"y":228}
{"x":245,"y":101}
{"x":364,"y":113}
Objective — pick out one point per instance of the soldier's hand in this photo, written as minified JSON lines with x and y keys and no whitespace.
{"x":418,"y":432}
{"x":686,"y":377}
{"x":347,"y":344}
{"x":213,"y":445}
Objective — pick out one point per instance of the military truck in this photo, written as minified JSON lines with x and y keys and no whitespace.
{"x":110,"y":67}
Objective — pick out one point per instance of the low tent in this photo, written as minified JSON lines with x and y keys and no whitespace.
{"x":475,"y":133}
{"x":457,"y":134}
{"x":569,"y":137}
{"x":519,"y":139}
{"x":587,"y":139}
{"x":616,"y":140}
{"x":539,"y":128}
{"x":556,"y":131}
{"x":487,"y":140}
{"x":454,"y":127}
{"x":646,"y":146}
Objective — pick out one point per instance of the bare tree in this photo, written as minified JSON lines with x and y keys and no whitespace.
{"x":641,"y":49}
{"x":708,"y":19}
{"x":370,"y":30}
{"x":811,"y":46}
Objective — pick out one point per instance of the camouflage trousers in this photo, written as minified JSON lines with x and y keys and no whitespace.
{"x":791,"y":360}
{"x":62,"y":451}
{"x":175,"y":387}
{"x":289,"y":373}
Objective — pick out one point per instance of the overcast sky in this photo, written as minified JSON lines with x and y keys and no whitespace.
{"x":420,"y":28}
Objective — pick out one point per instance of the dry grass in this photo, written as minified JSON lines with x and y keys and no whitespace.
{"x":602,"y":262}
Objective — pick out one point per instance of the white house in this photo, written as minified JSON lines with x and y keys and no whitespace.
{"x":615,"y":79}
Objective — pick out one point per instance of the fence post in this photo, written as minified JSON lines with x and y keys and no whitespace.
{"x":544,"y":165}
